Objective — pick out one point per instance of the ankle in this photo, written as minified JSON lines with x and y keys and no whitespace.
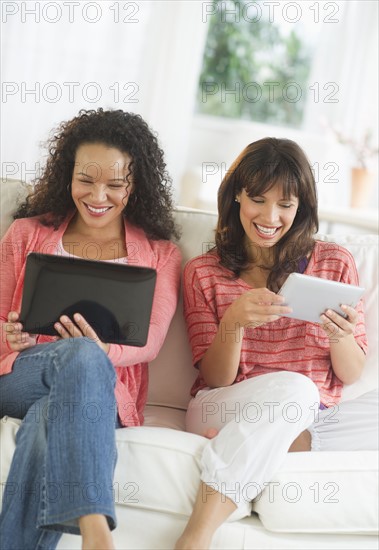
{"x":102,"y":542}
{"x":95,"y":532}
{"x":193,"y":541}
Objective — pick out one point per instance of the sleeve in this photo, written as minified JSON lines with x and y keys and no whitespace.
{"x":165,"y":301}
{"x":199,"y":312}
{"x":11,"y":250}
{"x":350,"y":276}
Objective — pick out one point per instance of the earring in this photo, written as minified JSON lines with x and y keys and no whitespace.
{"x":236,"y":199}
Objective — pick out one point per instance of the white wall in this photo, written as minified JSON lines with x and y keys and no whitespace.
{"x":59,"y":57}
{"x":144,"y":57}
{"x":216,"y":142}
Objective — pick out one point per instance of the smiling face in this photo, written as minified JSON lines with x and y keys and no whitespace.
{"x":268,"y":217}
{"x":99,"y":187}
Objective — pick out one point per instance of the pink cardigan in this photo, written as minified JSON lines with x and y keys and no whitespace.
{"x":29,"y":235}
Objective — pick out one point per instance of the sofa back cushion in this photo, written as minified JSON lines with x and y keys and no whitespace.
{"x":172,"y":373}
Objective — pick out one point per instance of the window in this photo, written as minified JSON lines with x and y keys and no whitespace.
{"x":257,"y":61}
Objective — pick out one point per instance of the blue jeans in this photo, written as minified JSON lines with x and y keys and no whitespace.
{"x":65,"y":455}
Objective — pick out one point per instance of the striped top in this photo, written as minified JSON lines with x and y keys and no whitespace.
{"x":284,"y":344}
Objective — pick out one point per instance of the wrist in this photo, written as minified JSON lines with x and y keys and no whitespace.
{"x":106,"y":348}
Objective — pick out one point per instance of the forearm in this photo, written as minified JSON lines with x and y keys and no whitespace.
{"x":347,"y":359}
{"x":219,"y":365}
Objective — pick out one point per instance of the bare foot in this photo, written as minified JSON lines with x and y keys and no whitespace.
{"x":211,"y":433}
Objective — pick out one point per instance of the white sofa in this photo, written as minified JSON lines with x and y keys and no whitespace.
{"x":317,"y":500}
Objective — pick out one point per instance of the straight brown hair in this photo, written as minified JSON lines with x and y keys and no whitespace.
{"x":259,"y":167}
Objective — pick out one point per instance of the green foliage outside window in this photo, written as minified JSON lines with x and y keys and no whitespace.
{"x":253,"y":70}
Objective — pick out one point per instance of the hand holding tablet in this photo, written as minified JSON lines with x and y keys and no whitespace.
{"x":309,"y":297}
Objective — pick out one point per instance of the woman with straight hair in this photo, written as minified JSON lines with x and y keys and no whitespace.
{"x":266,"y":380}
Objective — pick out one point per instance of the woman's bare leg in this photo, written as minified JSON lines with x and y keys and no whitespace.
{"x":302,"y":443}
{"x":210,"y":511}
{"x":95,"y":532}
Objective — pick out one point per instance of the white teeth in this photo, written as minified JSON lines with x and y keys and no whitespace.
{"x":266,"y":230}
{"x":97,"y":210}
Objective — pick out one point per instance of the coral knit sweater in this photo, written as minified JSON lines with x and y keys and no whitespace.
{"x":29,"y":235}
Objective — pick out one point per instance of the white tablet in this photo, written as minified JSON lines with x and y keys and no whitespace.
{"x":309,"y":296}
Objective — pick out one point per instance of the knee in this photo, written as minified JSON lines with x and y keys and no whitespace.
{"x":33,"y":429}
{"x":84,"y":355}
{"x":303,"y":389}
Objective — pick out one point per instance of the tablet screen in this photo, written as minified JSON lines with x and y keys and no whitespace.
{"x":115,"y":299}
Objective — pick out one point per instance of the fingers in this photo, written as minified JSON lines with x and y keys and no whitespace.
{"x":335,"y":324}
{"x":13,"y":316}
{"x":88,"y":331}
{"x":269,"y":304}
{"x":85,"y":327}
{"x":67,"y":328}
{"x":16,"y":338}
{"x":256,"y":307}
{"x":265,"y":296}
{"x":351,"y":314}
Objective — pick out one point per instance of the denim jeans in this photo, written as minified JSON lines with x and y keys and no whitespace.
{"x":65,"y":454}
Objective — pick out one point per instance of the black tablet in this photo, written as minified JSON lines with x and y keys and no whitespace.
{"x":115,"y":299}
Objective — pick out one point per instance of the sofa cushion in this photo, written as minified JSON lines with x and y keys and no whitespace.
{"x":328,"y":492}
{"x":171,"y":373}
{"x":159,"y":469}
{"x":364,"y":249}
{"x":12,"y":193}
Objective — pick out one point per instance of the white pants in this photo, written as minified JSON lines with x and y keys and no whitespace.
{"x":349,"y":426}
{"x":259,"y":418}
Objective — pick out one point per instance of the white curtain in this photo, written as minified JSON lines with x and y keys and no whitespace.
{"x":345,"y":73}
{"x":56,"y":62}
{"x":172,"y":60}
{"x":143,"y":57}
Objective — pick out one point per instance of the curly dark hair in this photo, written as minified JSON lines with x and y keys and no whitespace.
{"x":150,"y":206}
{"x":257,"y":169}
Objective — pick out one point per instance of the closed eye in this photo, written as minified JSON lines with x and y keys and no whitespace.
{"x":115,"y":186}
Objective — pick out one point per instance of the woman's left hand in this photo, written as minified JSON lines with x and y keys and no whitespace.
{"x":66,"y":328}
{"x":336,"y":326}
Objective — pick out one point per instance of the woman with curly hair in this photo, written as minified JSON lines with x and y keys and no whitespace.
{"x":105,"y":195}
{"x":263,"y":377}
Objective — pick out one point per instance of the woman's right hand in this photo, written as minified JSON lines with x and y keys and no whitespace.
{"x":17,"y":340}
{"x":219,"y":365}
{"x":256,"y":307}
